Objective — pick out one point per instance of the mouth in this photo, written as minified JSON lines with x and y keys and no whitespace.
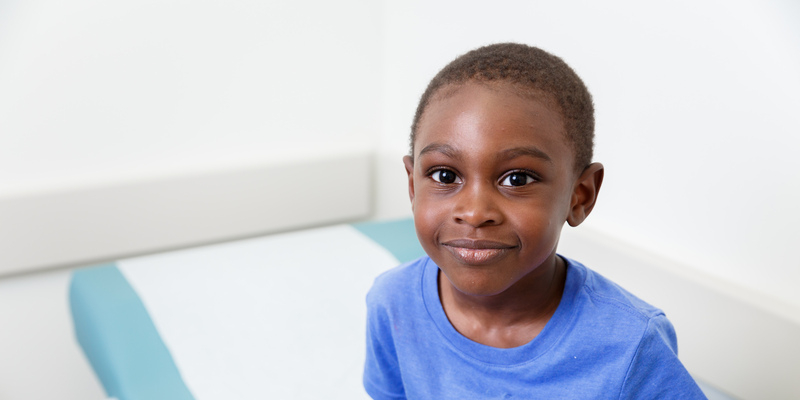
{"x":477,"y":252}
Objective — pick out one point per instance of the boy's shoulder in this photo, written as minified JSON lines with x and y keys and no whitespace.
{"x":597,"y":301}
{"x":644,"y":339}
{"x":603,"y":291}
{"x":398,"y":282}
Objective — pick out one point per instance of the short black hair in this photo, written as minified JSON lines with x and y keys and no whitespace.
{"x":534,"y":72}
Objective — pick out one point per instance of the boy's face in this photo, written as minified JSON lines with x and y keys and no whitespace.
{"x":491,"y":185}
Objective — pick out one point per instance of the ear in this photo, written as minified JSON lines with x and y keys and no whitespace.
{"x":584,"y":194}
{"x":409,"y":163}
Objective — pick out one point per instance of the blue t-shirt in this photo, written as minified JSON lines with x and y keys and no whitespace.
{"x":601,"y":343}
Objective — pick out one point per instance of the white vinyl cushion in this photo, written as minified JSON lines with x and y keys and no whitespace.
{"x":278,"y":317}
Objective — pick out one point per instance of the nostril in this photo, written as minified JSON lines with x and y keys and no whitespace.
{"x":476,"y":208}
{"x":476,"y":222}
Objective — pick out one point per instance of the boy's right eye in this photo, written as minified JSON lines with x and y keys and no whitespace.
{"x":445,"y":176}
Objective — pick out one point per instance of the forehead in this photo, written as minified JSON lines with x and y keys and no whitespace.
{"x":488,"y":118}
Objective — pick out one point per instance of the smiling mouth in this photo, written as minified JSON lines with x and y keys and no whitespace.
{"x":477,"y":252}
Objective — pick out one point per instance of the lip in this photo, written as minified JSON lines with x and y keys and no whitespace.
{"x":476,"y":251}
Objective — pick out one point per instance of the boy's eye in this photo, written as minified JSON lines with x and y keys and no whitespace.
{"x":445,"y":176}
{"x":517,"y":179}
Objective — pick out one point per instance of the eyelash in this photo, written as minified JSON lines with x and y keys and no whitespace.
{"x":439,"y":170}
{"x":533,"y":177}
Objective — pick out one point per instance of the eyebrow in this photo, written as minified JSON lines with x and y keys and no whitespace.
{"x":445,"y":149}
{"x":507,"y":154}
{"x":523,"y":151}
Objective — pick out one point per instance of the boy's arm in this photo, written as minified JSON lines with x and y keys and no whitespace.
{"x":655,"y":371}
{"x":382,"y":378}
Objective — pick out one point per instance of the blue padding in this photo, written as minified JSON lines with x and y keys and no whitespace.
{"x":399,"y":237}
{"x":119,"y":338}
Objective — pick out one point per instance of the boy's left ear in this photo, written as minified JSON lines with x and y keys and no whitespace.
{"x":584,"y":194}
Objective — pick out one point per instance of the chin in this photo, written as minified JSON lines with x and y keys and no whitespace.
{"x":479,"y":285}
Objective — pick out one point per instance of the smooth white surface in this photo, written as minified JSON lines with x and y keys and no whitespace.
{"x":279,"y":317}
{"x":39,"y":356}
{"x":134,"y":127}
{"x":91,"y":91}
{"x":88,"y":225}
{"x":697,"y":121}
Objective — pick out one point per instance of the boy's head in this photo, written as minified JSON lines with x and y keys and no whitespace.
{"x":529,"y":71}
{"x":501,"y":158}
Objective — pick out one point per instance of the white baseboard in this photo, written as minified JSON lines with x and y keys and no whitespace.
{"x":740,"y":341}
{"x":104,"y":222}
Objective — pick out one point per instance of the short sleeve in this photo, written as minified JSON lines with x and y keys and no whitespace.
{"x":655,"y":371}
{"x":382,"y":378}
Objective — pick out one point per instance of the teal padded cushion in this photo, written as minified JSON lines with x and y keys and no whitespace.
{"x":119,"y":338}
{"x":399,"y":237}
{"x":123,"y":345}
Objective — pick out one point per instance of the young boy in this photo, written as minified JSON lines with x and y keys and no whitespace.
{"x":501,"y":157}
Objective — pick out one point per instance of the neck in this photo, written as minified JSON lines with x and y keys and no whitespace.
{"x":513,"y":317}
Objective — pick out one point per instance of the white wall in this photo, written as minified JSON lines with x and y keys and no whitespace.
{"x":104,"y":97}
{"x":696,"y":103}
{"x":93,"y":92}
{"x":697,"y":118}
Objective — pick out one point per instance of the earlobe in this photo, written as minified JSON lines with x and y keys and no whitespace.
{"x":584,"y":194}
{"x":409,"y":163}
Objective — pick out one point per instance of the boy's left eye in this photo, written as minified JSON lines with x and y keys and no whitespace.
{"x":517,"y":179}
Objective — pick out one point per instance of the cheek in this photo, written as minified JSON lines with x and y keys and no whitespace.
{"x":535,"y":228}
{"x":557,"y":207}
{"x":430,"y":215}
{"x":427,"y":214}
{"x":540,"y":228}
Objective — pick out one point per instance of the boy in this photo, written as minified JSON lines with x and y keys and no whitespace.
{"x":501,"y":150}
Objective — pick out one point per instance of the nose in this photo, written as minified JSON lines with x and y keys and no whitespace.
{"x":477,"y":206}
